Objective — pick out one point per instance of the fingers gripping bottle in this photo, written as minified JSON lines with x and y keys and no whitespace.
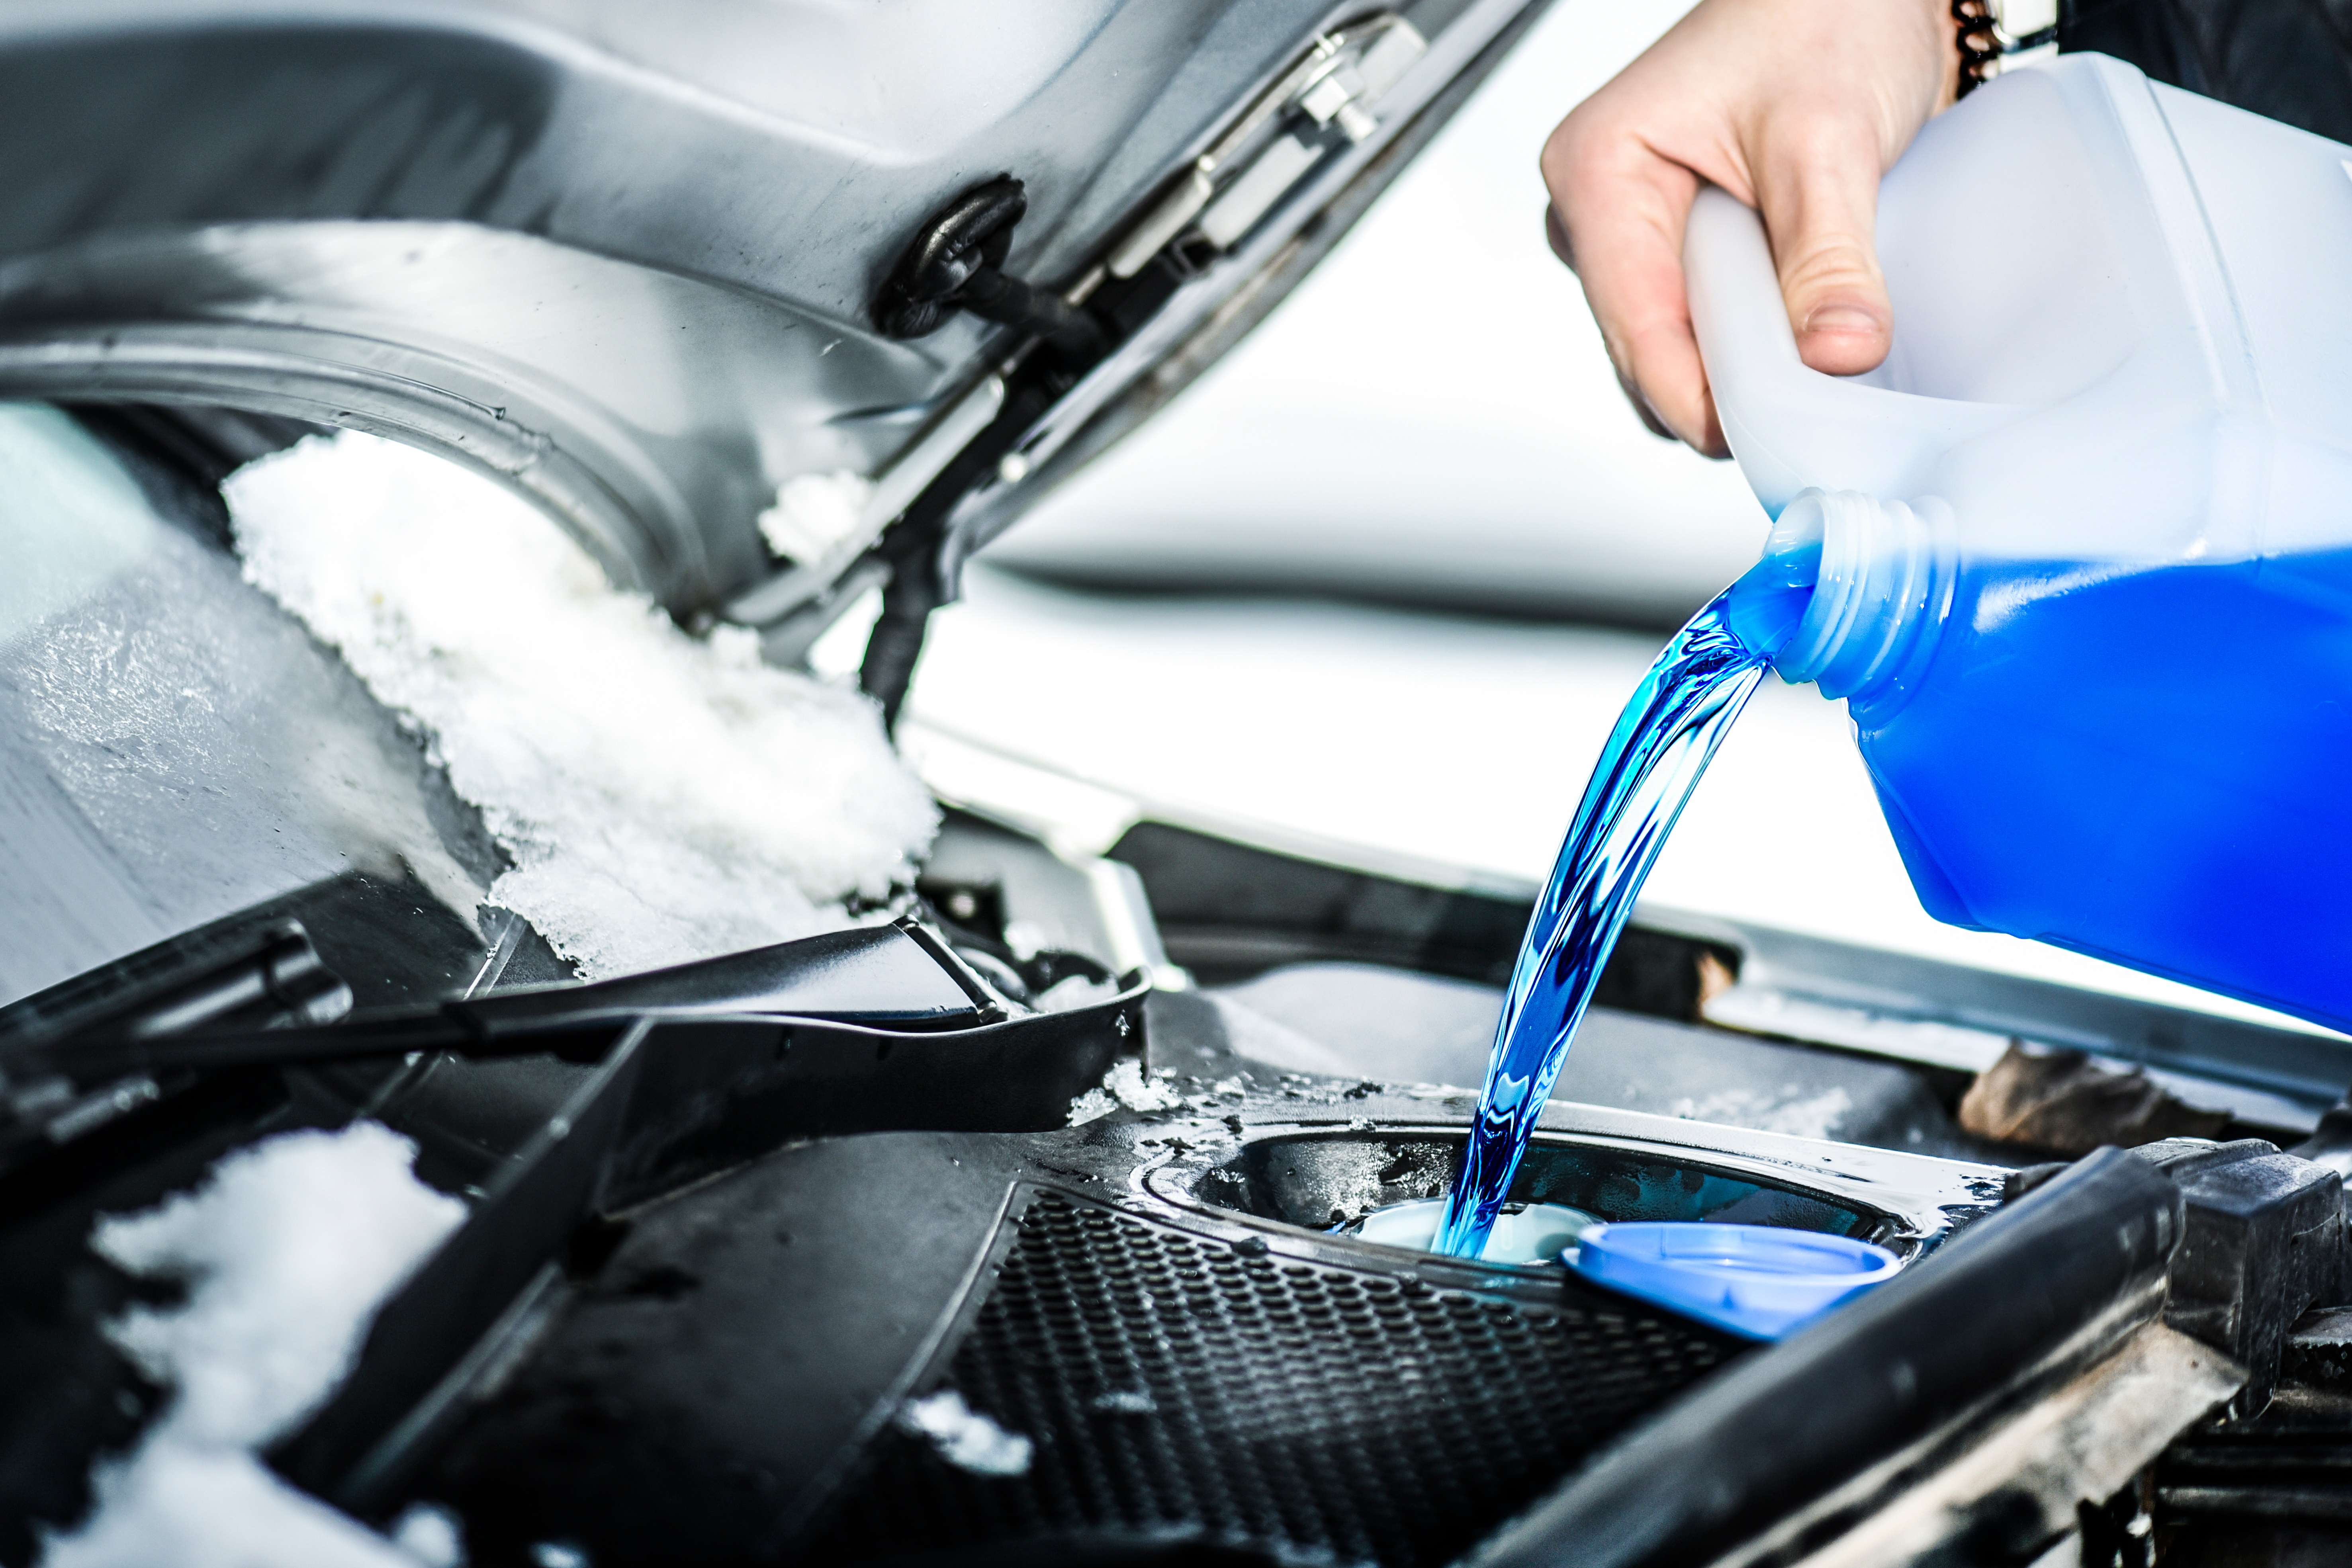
{"x":2082,"y":548}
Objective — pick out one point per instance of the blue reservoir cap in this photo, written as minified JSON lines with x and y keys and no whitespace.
{"x":1758,"y":1281}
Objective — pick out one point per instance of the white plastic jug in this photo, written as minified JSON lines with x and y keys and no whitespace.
{"x":2084,"y":540}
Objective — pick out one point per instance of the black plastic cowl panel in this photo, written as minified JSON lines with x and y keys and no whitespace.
{"x":2068,"y":1270}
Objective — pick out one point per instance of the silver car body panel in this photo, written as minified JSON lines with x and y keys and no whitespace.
{"x":619,"y":256}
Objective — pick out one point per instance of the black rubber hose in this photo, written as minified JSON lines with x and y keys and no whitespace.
{"x":973,"y":232}
{"x":912,"y":545}
{"x":1068,"y":330}
{"x":897,"y":640}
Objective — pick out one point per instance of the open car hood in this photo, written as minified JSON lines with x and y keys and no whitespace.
{"x":639,"y":264}
{"x":743,"y":1253}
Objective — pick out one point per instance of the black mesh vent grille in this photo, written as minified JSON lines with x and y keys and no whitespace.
{"x":1301,"y":1412}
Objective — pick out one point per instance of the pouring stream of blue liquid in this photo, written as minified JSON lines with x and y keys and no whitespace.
{"x":1654,"y":759}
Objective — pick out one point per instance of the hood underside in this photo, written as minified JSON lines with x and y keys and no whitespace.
{"x":628,"y":261}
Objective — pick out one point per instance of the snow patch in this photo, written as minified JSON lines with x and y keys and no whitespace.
{"x":1124,"y":1085}
{"x":664,"y":798}
{"x":1126,"y":1402}
{"x":213,"y":1508}
{"x":288,"y":1250}
{"x":1076,"y":992}
{"x":814,"y":513}
{"x":431,"y":1535}
{"x":1091,"y":1106}
{"x":965,"y":1437}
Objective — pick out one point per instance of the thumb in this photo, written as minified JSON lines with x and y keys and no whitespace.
{"x":1817,"y":187}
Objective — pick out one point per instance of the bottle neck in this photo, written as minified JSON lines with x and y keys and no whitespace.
{"x":1883,"y":577}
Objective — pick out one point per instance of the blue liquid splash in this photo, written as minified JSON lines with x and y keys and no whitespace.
{"x":1654,"y":759}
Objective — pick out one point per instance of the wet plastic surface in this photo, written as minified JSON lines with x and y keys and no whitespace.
{"x":1319,"y":1180}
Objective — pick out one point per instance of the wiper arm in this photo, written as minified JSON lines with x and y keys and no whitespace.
{"x":259,"y":1006}
{"x":856,"y":1030}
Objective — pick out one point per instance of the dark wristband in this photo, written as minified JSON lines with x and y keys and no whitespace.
{"x":1979,"y":45}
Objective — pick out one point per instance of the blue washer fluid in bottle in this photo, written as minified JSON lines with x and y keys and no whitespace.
{"x":2084,"y":541}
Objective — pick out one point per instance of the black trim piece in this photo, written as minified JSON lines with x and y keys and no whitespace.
{"x":1228,"y":911}
{"x":353,"y":1452}
{"x":2064,"y":1274}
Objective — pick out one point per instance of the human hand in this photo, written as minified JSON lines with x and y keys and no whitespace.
{"x":1797,"y":107}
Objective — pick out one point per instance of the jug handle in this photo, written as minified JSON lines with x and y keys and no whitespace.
{"x":1790,"y":426}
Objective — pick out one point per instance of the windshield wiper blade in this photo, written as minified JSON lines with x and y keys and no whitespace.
{"x":255,"y":976}
{"x":247,"y":977}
